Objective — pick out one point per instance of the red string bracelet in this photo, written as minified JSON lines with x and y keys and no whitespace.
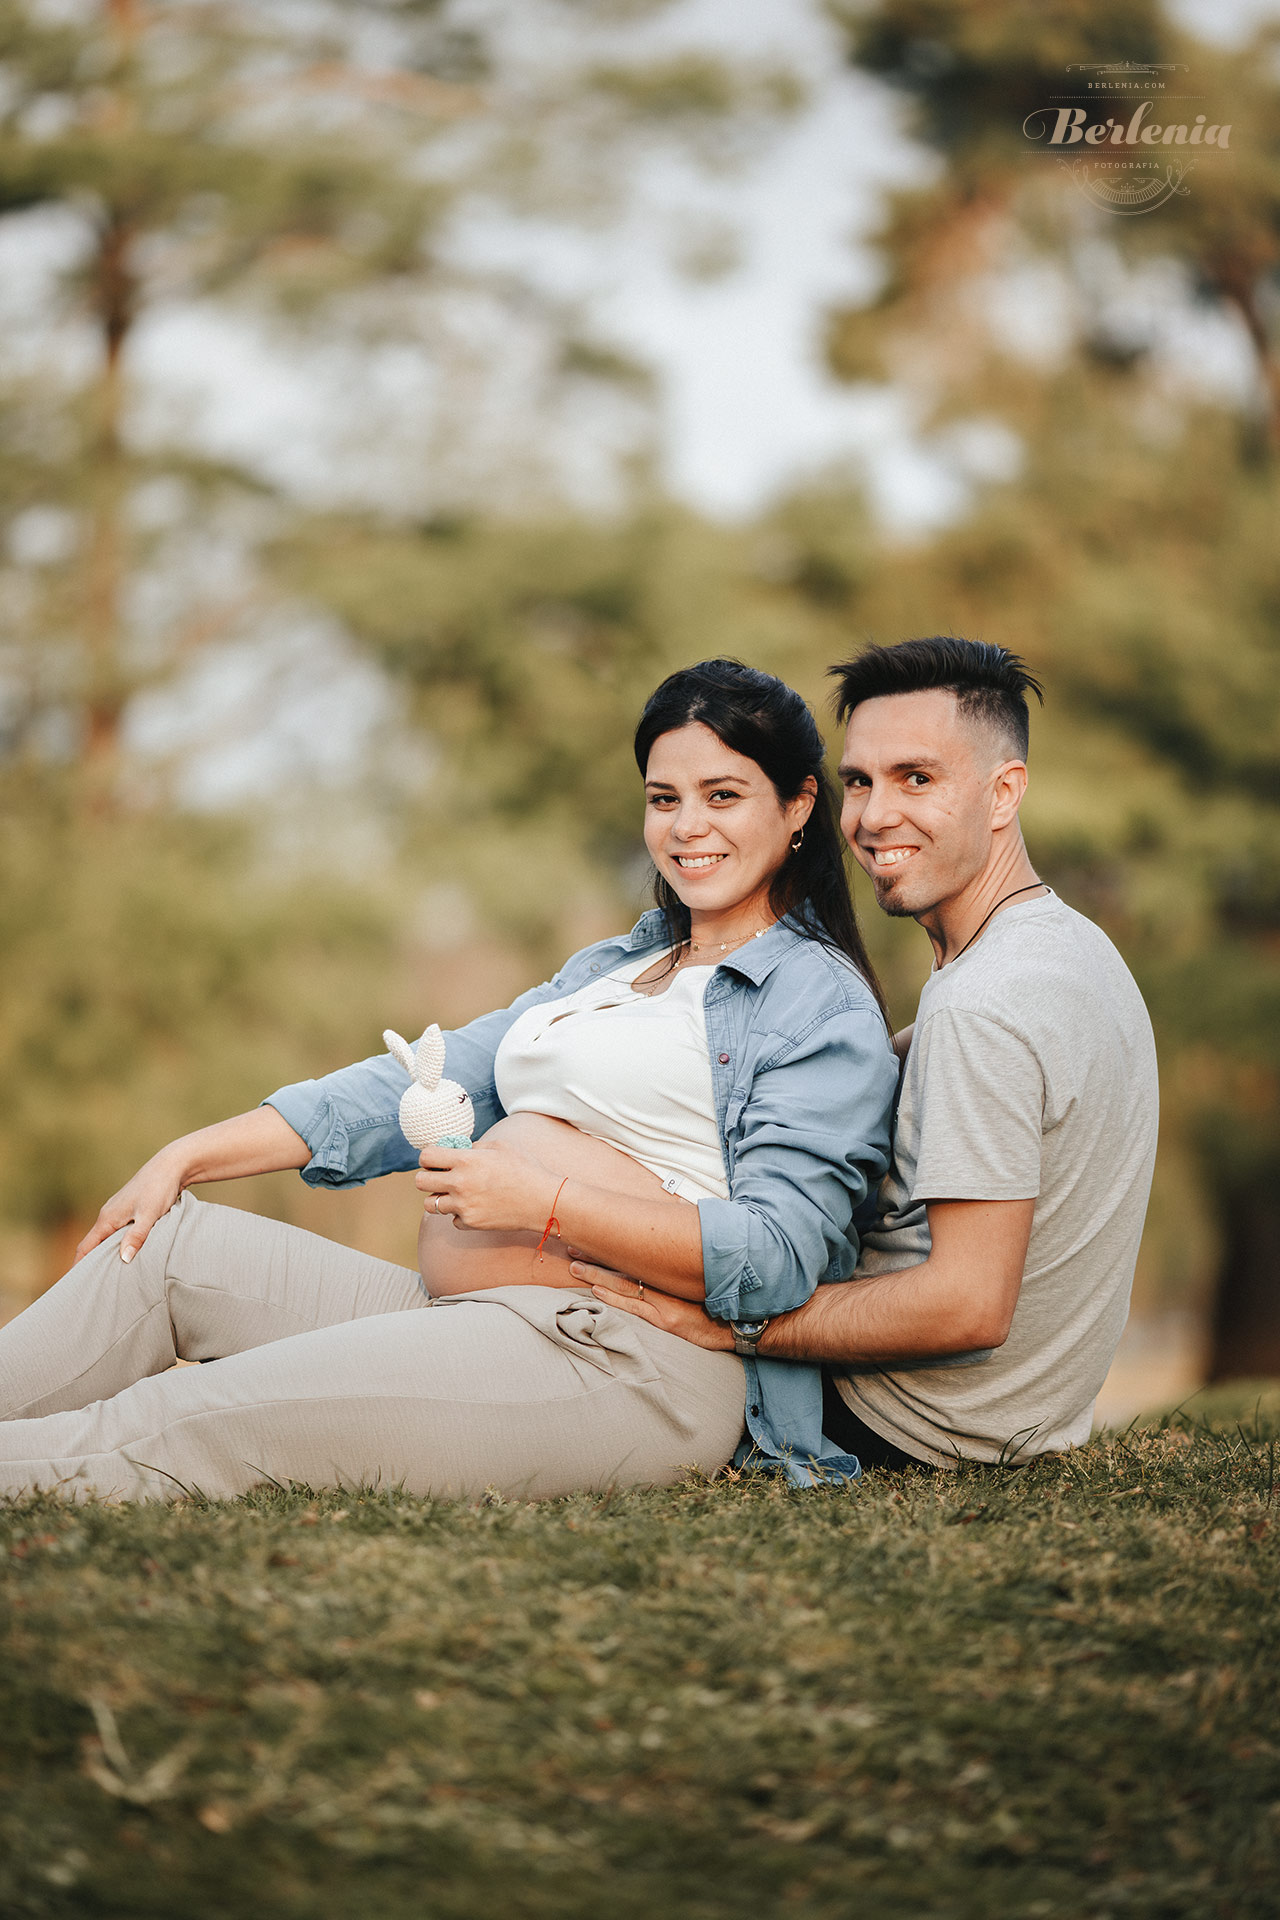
{"x":553,"y":1225}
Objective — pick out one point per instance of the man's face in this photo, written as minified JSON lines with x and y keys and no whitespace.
{"x":918,"y":797}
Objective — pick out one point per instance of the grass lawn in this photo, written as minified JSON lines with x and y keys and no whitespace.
{"x":1047,"y":1693}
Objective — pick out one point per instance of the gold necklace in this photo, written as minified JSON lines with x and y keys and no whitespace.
{"x":710,"y":946}
{"x":655,"y":987}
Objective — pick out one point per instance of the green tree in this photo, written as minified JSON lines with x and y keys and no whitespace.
{"x":297,"y":166}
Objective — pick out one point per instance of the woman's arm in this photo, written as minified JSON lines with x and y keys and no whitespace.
{"x":350,"y":1119}
{"x":812,"y":1144}
{"x":257,"y":1142}
{"x":501,"y":1189}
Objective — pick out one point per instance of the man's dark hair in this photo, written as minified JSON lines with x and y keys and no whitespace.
{"x":990,"y":683}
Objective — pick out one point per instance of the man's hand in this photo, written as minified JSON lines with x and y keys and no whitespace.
{"x":493,"y":1187}
{"x":685,"y":1318}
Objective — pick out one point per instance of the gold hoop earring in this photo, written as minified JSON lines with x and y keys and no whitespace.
{"x":797,"y":840}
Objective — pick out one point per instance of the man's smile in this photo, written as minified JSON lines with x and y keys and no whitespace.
{"x":891,"y":856}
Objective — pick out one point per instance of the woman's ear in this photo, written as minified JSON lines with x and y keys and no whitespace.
{"x":802,"y":806}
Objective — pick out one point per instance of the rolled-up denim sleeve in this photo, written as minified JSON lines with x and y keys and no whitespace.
{"x":813,"y":1143}
{"x":350,"y":1119}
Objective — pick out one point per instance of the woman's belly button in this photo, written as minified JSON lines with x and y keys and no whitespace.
{"x":463,"y":1260}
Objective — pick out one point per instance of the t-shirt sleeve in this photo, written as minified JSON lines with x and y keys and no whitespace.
{"x":981,"y":1110}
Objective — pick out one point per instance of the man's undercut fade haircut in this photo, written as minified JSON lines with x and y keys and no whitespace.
{"x":990,"y":683}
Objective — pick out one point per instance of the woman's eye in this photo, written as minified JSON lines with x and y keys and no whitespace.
{"x":726,"y":793}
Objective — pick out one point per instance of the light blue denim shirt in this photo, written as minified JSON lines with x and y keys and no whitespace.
{"x":804,"y":1075}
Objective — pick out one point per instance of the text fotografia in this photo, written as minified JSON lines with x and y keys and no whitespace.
{"x":1072,"y":126}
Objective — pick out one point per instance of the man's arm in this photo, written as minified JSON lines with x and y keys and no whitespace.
{"x":959,"y":1299}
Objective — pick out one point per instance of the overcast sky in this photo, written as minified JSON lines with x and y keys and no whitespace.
{"x":745,"y":406}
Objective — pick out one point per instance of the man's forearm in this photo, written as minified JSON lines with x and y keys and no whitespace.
{"x":959,"y":1300}
{"x":891,"y":1316}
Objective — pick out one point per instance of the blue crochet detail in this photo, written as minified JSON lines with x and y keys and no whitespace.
{"x":454,"y":1140}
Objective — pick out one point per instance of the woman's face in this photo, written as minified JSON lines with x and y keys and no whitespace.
{"x":713,"y":823}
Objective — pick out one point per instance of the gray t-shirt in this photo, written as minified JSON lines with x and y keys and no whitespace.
{"x":1031,"y":1075}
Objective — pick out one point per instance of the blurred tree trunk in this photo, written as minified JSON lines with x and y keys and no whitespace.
{"x":107,"y":690}
{"x":1246,"y":1321}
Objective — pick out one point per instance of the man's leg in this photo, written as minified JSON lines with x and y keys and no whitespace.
{"x":207,"y":1282}
{"x":841,"y":1424}
{"x":535,"y":1391}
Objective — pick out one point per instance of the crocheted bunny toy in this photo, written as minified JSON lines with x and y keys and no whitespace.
{"x":433,"y":1112}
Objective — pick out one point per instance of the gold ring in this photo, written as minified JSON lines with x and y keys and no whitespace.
{"x":640,"y":1284}
{"x":435,"y":1201}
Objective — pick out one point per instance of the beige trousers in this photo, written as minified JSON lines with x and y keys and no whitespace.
{"x":330,"y":1368}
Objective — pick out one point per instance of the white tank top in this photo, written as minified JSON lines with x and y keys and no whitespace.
{"x":628,"y":1068}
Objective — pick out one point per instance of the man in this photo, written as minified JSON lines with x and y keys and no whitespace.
{"x":990,"y":1296}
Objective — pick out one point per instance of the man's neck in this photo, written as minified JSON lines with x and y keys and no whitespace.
{"x":958,"y":921}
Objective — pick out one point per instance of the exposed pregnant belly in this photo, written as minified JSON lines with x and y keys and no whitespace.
{"x":461,"y":1260}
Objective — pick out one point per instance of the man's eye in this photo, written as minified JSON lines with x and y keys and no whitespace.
{"x":918,"y":779}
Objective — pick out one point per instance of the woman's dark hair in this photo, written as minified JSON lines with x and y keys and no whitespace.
{"x":765,"y":720}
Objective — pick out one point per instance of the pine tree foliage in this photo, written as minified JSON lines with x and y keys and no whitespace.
{"x":295,"y":165}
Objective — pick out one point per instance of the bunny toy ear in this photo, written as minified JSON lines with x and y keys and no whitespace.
{"x":429,"y":1062}
{"x":424,"y":1064}
{"x":401,"y":1049}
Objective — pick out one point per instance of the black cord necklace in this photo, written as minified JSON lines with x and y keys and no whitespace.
{"x":1029,"y":888}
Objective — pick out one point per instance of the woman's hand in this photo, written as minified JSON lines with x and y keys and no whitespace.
{"x":261,"y":1141}
{"x":142,"y":1201}
{"x":685,"y":1318}
{"x":493,"y":1187}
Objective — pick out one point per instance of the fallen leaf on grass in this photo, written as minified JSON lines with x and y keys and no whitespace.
{"x":793,"y":1832}
{"x":108,"y":1764}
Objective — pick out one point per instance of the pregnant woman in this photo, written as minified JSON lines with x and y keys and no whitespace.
{"x":702,"y":1103}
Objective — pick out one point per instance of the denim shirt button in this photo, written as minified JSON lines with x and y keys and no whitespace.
{"x":755,"y":1413}
{"x":724,"y":1059}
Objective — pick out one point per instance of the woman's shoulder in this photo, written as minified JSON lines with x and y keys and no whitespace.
{"x":823,"y":977}
{"x":648,"y":932}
